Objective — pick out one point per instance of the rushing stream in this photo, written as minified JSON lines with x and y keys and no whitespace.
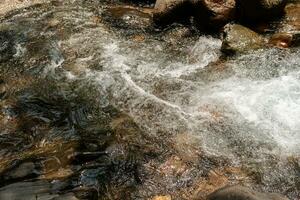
{"x":87,"y":102}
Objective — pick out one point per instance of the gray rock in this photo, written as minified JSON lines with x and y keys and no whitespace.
{"x":242,"y":193}
{"x":240,"y":39}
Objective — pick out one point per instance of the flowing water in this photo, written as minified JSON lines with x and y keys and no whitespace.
{"x":93,"y":98}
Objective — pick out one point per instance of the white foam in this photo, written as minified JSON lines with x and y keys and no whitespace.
{"x":264,"y":109}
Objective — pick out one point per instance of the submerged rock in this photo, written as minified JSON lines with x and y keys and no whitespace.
{"x":259,"y":10}
{"x":242,"y":193}
{"x":41,"y":190}
{"x":25,"y":169}
{"x":239,"y":39}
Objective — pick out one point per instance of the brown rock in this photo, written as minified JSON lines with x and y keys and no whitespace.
{"x":170,"y":11}
{"x":219,"y":12}
{"x":207,"y":13}
{"x":288,"y":34}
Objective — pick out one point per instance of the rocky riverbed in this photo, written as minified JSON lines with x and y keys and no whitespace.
{"x":136,"y":100}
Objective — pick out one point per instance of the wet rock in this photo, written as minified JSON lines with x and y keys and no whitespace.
{"x":259,"y":10}
{"x":170,"y":11}
{"x":288,"y":34}
{"x":177,"y":36}
{"x":129,"y":17}
{"x":291,"y":23}
{"x":216,"y":13}
{"x":242,"y":193}
{"x":240,"y":39}
{"x":207,"y":13}
{"x":41,"y":190}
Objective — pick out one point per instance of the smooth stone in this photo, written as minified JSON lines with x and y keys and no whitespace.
{"x":240,"y":39}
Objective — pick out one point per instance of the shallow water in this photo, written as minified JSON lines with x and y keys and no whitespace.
{"x":111,"y":105}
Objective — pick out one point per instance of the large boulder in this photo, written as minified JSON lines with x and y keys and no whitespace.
{"x":259,"y":10}
{"x":240,"y":39}
{"x":207,"y":13}
{"x":242,"y":193}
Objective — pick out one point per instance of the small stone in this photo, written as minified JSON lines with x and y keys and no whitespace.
{"x":281,"y":40}
{"x":166,"y":197}
{"x":138,"y":38}
{"x":96,"y":19}
{"x":53,"y":23}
